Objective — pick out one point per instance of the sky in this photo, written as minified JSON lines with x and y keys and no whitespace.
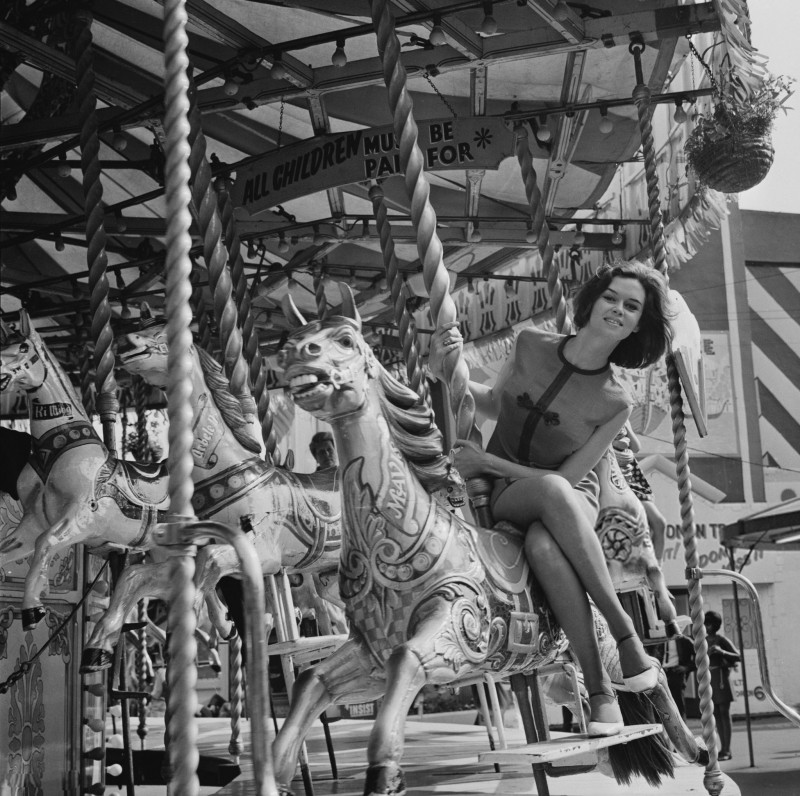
{"x":775,"y":26}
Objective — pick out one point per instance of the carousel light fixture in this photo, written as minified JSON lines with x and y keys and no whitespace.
{"x":268,"y":323}
{"x":606,"y":125}
{"x":120,"y":221}
{"x":125,"y":312}
{"x":616,"y":236}
{"x":292,"y":281}
{"x":383,"y":285}
{"x":680,"y":114}
{"x":230,"y":88}
{"x":489,"y":25}
{"x":252,"y":250}
{"x":475,"y":236}
{"x":278,"y":71}
{"x":64,"y":170}
{"x":510,"y":288}
{"x":352,"y":280}
{"x":118,"y":141}
{"x":283,"y":245}
{"x":543,"y":133}
{"x":530,"y":235}
{"x":561,"y":11}
{"x":470,"y":286}
{"x":579,"y":238}
{"x":11,"y":194}
{"x":60,"y":246}
{"x":365,"y":228}
{"x":339,"y":57}
{"x":319,"y":239}
{"x":437,"y":37}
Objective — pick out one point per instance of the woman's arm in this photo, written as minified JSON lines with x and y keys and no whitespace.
{"x":472,"y":460}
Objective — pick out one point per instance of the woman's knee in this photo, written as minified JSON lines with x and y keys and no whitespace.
{"x":539,"y":543}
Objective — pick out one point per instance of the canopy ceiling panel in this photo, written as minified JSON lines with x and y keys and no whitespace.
{"x":547,"y":66}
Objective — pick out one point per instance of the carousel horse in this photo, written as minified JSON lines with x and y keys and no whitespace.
{"x":70,"y":489}
{"x":293,"y":519}
{"x":429,"y":597}
{"x":624,"y":535}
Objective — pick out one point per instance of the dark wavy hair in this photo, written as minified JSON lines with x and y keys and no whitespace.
{"x":713,"y":620}
{"x":651,"y":341}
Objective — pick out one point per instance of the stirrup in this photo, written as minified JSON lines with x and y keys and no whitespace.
{"x":523,"y":632}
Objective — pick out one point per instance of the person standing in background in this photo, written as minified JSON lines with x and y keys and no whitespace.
{"x":723,"y":656}
{"x":678,"y":662}
{"x":323,"y":449}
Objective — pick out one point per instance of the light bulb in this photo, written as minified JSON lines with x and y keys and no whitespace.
{"x":319,"y":238}
{"x":121,"y":222}
{"x":126,"y":311}
{"x":489,"y":24}
{"x":230,"y":88}
{"x":64,"y":169}
{"x":114,"y":770}
{"x":268,"y":321}
{"x":114,"y":741}
{"x":283,"y":246}
{"x":339,"y":57}
{"x":543,"y":133}
{"x":579,"y":236}
{"x":119,"y":142}
{"x":509,"y":288}
{"x":437,"y":37}
{"x":278,"y":71}
{"x":470,"y":286}
{"x":616,"y":237}
{"x":680,"y":114}
{"x":606,"y":125}
{"x":530,"y":236}
{"x":115,"y":711}
{"x":561,"y":11}
{"x":59,"y":244}
{"x":475,"y":236}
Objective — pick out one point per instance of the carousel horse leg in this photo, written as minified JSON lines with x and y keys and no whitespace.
{"x":218,"y":615}
{"x":21,"y":541}
{"x":59,"y":537}
{"x":135,"y":583}
{"x":351,"y":672}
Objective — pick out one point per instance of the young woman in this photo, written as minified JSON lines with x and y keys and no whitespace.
{"x":722,"y":657}
{"x":558,"y":407}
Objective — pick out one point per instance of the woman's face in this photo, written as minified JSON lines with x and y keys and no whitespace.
{"x":619,"y":307}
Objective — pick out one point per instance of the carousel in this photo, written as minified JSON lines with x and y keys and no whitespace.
{"x":251,"y":219}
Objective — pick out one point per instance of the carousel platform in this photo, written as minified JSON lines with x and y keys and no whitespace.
{"x":441,"y":757}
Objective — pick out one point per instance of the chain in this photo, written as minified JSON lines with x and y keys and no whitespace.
{"x":280,"y":124}
{"x":25,"y":666}
{"x":427,"y":76}
{"x":705,"y":66}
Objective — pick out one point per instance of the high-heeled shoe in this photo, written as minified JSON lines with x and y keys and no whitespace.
{"x":605,"y":718}
{"x":646,"y":679}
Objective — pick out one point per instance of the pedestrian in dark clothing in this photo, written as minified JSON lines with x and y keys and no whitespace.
{"x":723,"y":656}
{"x":678,"y":662}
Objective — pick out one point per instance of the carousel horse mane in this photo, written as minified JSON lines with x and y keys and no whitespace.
{"x":414,"y":431}
{"x":229,"y":406}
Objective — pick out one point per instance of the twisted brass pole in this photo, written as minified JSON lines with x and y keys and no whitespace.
{"x":319,"y":295}
{"x":246,"y":321}
{"x":205,"y":203}
{"x":423,"y":216}
{"x":182,"y":646}
{"x":641,"y":97}
{"x":235,"y":693}
{"x":541,"y":230}
{"x":97,"y":259}
{"x":402,"y":317}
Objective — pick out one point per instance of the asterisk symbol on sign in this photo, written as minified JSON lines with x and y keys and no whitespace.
{"x":483,"y":138}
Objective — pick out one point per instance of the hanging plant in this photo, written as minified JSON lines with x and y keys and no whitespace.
{"x":730,"y":149}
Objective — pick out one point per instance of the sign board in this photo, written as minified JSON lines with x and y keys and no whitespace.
{"x":330,"y":161}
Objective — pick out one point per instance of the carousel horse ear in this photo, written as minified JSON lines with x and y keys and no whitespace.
{"x":25,"y":326}
{"x":349,"y":304}
{"x":145,"y":313}
{"x":5,"y":332}
{"x":293,"y":315}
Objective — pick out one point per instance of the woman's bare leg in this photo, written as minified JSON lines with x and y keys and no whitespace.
{"x":567,"y":599}
{"x":551,"y":500}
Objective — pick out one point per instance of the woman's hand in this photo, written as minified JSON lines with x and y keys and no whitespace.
{"x":470,"y":459}
{"x":443,"y":341}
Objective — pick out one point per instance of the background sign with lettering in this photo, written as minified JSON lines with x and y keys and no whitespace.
{"x":330,"y":161}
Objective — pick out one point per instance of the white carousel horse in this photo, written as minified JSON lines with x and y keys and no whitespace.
{"x":294,"y":518}
{"x":70,"y":490}
{"x":429,"y":598}
{"x":624,"y":535}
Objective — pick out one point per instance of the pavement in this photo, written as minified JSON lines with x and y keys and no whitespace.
{"x":441,"y":757}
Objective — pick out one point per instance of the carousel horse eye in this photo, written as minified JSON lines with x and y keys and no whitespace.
{"x":346,"y":341}
{"x":23,"y":348}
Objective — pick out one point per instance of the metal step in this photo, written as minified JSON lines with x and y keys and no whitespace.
{"x":557,"y":748}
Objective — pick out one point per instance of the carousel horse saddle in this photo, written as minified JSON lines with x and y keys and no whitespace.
{"x":502,"y":553}
{"x":138,"y":482}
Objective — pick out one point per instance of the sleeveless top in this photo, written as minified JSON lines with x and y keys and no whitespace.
{"x":549,"y":408}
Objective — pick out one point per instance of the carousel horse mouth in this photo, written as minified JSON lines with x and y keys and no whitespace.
{"x":127,"y":353}
{"x":307,"y":386}
{"x":5,"y":380}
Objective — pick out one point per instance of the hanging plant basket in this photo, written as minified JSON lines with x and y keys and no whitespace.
{"x":733,"y":162}
{"x":730,"y":150}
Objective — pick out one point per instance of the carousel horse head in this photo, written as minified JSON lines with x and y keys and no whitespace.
{"x":23,"y":361}
{"x":144,"y":351}
{"x":328,"y":363}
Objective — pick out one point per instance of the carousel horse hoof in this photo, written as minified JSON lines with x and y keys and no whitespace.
{"x":95,"y":659}
{"x":702,"y":754}
{"x":612,"y":723}
{"x":384,"y":781}
{"x":32,"y":616}
{"x":645,"y":680}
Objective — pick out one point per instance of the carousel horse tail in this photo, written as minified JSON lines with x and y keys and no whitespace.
{"x":650,"y":757}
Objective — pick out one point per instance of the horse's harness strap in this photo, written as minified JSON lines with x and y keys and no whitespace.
{"x":48,"y":448}
{"x":223,"y":488}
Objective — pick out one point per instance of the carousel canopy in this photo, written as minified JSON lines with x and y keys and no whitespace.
{"x":297,"y":123}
